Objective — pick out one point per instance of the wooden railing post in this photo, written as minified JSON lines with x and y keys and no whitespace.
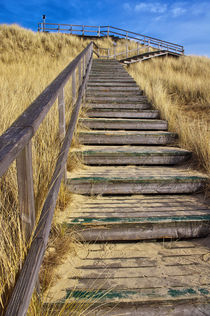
{"x":83,"y":30}
{"x":108,"y":31}
{"x":99,"y":31}
{"x":74,"y":86}
{"x":137,"y":48}
{"x":126,"y":49}
{"x":26,"y":190}
{"x":61,"y":111}
{"x":80,"y":73}
{"x":62,"y":125}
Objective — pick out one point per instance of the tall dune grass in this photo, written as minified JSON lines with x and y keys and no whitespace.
{"x":179,"y":88}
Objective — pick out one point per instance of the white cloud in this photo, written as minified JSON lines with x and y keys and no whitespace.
{"x":177,"y":11}
{"x":155,"y":7}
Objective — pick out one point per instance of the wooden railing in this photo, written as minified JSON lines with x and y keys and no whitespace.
{"x":99,"y":31}
{"x":15,"y":143}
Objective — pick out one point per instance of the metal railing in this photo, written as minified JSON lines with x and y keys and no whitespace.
{"x":100,"y":31}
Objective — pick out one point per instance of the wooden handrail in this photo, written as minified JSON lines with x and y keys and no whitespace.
{"x":109,"y":30}
{"x":34,"y":115}
{"x":24,"y":128}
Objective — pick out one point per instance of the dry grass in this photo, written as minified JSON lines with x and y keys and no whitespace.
{"x":179,"y":88}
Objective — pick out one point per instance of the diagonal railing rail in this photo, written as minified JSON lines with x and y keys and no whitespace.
{"x":100,"y":31}
{"x":15,"y":143}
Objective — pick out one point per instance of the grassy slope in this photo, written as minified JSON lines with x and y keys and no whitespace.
{"x":179,"y":88}
{"x":28,"y":62}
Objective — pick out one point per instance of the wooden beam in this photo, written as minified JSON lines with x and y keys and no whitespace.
{"x":26,"y":190}
{"x":74,"y":86}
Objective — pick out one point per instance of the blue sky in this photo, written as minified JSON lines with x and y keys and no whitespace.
{"x":182,"y":22}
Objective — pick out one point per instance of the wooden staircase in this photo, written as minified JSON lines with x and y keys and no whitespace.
{"x":149,"y":55}
{"x":139,"y":205}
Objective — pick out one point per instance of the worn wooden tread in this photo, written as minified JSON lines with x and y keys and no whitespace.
{"x":135,"y":180}
{"x":137,"y":217}
{"x":116,"y":89}
{"x":119,"y":155}
{"x":124,"y":124}
{"x":112,"y":84}
{"x":136,"y":274}
{"x":117,"y":100}
{"x":118,"y":93}
{"x":143,"y":105}
{"x":122,"y":113}
{"x":127,"y":137}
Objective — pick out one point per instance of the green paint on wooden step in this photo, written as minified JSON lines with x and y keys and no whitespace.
{"x":99,"y":294}
{"x":126,"y":294}
{"x":175,"y":293}
{"x":93,"y":220}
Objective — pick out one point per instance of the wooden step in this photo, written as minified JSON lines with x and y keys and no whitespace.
{"x":138,"y":279}
{"x":138,"y":217}
{"x":127,"y":137}
{"x":122,"y":113}
{"x":121,"y":85}
{"x":117,"y":93}
{"x":111,"y":80}
{"x":110,"y":88}
{"x":135,"y":180}
{"x":129,"y":155}
{"x":122,"y":99}
{"x":124,"y":124}
{"x":143,"y":105}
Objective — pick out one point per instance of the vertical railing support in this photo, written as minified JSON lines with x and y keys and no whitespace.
{"x":126,"y":49}
{"x":74,"y":86}
{"x":99,"y":31}
{"x":62,"y":127}
{"x":137,"y":48}
{"x":80,"y":73}
{"x":26,"y":190}
{"x":83,"y":30}
{"x":148,"y":45}
{"x":61,"y":111}
{"x":108,"y":31}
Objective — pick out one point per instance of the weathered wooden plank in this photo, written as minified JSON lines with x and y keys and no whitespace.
{"x":143,"y":105}
{"x":74,"y":86}
{"x":127,"y":137}
{"x":122,"y":113}
{"x":124,"y":124}
{"x":61,"y":111}
{"x":26,"y":190}
{"x":135,"y":180}
{"x":109,"y":155}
